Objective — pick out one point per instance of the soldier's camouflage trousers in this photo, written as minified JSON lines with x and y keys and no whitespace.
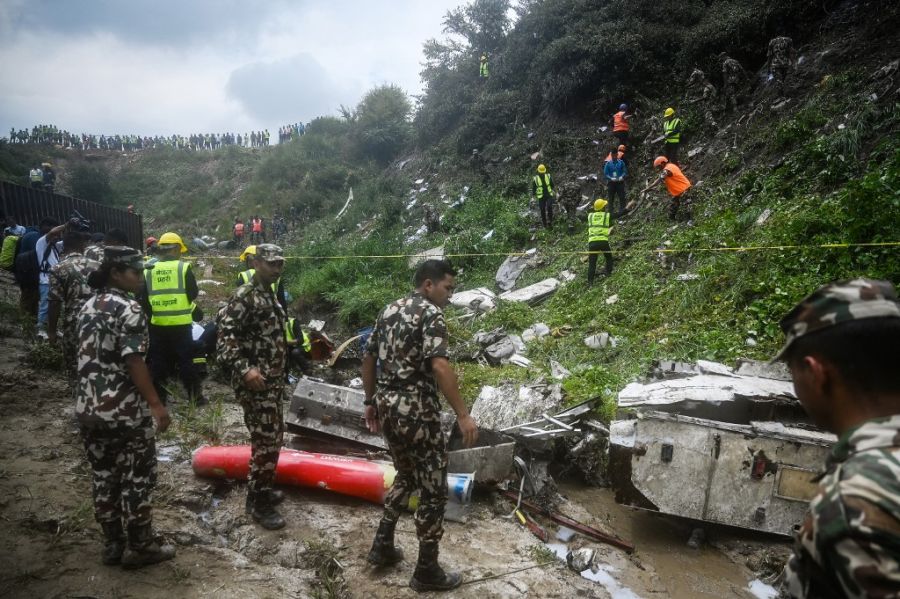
{"x":70,"y":356}
{"x":419,"y":450}
{"x":264,"y":419}
{"x":123,"y":461}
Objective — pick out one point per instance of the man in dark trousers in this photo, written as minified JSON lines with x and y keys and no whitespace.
{"x":598,"y":239}
{"x":171,"y":289}
{"x":410,"y":340}
{"x":253,"y":349}
{"x":542,"y":189}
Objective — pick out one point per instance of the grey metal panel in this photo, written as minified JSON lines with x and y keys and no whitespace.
{"x":711,"y":473}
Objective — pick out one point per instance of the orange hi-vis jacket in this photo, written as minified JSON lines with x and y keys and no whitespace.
{"x":239,"y":229}
{"x":619,"y":122}
{"x":675,"y":182}
{"x":257,"y":225}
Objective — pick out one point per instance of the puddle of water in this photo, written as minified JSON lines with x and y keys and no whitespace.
{"x":615,"y":589}
{"x":602,"y":576}
{"x":761,"y":590}
{"x":704,"y":573}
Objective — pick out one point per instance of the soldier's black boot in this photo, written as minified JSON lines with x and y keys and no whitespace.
{"x":143,"y":549}
{"x":429,"y":576}
{"x":115,"y":542}
{"x":383,"y":552}
{"x":275,"y":496}
{"x":263,"y":512}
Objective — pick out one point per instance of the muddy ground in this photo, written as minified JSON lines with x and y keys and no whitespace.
{"x":51,"y":544}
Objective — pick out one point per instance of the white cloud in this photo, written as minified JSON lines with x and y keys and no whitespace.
{"x":107,"y":81}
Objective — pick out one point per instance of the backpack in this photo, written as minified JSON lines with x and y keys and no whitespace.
{"x":26,"y":269}
{"x":9,"y":251}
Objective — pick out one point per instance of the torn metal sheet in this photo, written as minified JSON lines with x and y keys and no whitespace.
{"x":479,"y":300}
{"x":335,"y":412}
{"x":751,"y":476}
{"x":533,"y":294}
{"x":436,"y":253}
{"x":510,"y":270}
{"x":707,"y":388}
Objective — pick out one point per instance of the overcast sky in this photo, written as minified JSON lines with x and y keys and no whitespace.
{"x":165,"y":66}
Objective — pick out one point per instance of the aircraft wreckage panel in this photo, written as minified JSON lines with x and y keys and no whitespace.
{"x":724,"y":473}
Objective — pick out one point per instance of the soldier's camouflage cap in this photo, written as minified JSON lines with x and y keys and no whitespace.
{"x":836,"y":303}
{"x":124,"y":255}
{"x":269,"y":252}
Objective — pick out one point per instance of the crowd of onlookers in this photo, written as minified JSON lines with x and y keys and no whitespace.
{"x":52,"y":135}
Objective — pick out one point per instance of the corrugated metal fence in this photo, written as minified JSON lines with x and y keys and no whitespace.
{"x":29,"y":206}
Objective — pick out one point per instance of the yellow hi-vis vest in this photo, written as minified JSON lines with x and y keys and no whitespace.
{"x":246,"y":275}
{"x":598,"y":226}
{"x":290,"y":337}
{"x":669,"y":129}
{"x":539,"y":185}
{"x":166,"y":291}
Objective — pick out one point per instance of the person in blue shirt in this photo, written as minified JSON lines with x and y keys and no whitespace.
{"x":615,"y":172}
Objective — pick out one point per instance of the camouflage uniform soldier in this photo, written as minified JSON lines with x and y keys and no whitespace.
{"x":701,"y":91}
{"x":94,"y":251}
{"x":842,"y":352}
{"x":115,"y":404}
{"x":69,"y":288}
{"x":732,"y":79}
{"x":780,"y":59}
{"x":410,"y":341}
{"x":251,"y":344}
{"x":569,"y":196}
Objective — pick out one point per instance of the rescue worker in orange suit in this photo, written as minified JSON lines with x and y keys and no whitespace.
{"x":239,"y":232}
{"x":168,"y":300}
{"x":621,"y":126}
{"x":676,"y":183}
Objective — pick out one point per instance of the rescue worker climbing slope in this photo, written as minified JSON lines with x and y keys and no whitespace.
{"x":410,"y":341}
{"x":676,"y":183}
{"x":542,"y":189}
{"x":171,"y":289}
{"x":621,"y":126}
{"x":598,"y":239}
{"x":251,"y":347}
{"x":115,"y":405}
{"x":672,"y":133}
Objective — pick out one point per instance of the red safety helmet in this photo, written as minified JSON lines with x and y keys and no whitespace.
{"x":150,"y":241}
{"x":660,"y":161}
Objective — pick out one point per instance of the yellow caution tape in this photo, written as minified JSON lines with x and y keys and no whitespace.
{"x":748,"y":248}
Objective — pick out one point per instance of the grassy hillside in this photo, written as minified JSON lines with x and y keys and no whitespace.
{"x":785,"y":174}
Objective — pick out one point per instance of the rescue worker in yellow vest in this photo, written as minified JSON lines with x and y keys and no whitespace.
{"x":542,"y":189}
{"x":299,"y":345}
{"x":248,"y":256}
{"x":168,"y":299}
{"x":483,"y":67}
{"x":598,"y":239}
{"x":672,"y":131}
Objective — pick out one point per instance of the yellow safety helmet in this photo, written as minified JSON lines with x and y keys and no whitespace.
{"x":249,"y":251}
{"x":171,"y":239}
{"x":669,"y":112}
{"x":542,"y":169}
{"x":599,"y":204}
